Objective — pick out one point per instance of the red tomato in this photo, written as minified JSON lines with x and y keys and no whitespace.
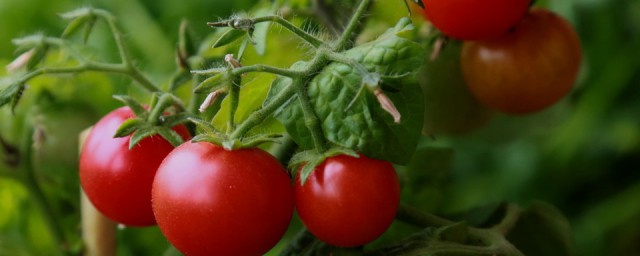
{"x":527,"y":69}
{"x":210,"y":201}
{"x":118,"y":180}
{"x":474,"y":19}
{"x":348,"y":201}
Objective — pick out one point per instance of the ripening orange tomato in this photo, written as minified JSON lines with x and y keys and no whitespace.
{"x":526,"y":70}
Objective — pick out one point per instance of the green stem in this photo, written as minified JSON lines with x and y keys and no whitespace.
{"x":32,"y":185}
{"x":166,"y":100}
{"x":125,"y":56}
{"x":253,"y":68}
{"x":259,"y":116}
{"x":310,"y":118}
{"x":414,"y":216}
{"x":94,"y":66}
{"x":315,"y":42}
{"x":117,"y":36}
{"x":490,"y":241}
{"x":234,"y":97}
{"x":512,"y":214}
{"x":345,"y":40}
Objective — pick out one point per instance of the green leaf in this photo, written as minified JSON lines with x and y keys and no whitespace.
{"x":136,"y":107}
{"x":170,"y":135}
{"x":252,"y":95}
{"x":88,"y":28}
{"x":364,"y":126}
{"x":229,"y":37}
{"x":141,"y":134}
{"x":128,"y":127}
{"x":212,"y":83}
{"x":8,"y":93}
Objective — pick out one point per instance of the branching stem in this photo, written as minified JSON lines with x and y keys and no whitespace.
{"x":312,"y":40}
{"x":310,"y":118}
{"x":345,"y":40}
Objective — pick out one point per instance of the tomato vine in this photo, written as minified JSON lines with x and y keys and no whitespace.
{"x":347,"y":100}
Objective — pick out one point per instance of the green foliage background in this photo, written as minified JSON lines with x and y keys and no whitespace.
{"x":582,"y":155}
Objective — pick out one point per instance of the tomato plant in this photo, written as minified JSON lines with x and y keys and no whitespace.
{"x":211,"y":201}
{"x":526,"y":70}
{"x":118,"y":180}
{"x":355,"y":83}
{"x":348,"y":201}
{"x":471,"y":19}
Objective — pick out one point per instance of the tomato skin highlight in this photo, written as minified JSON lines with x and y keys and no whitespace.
{"x":474,"y":19}
{"x":526,"y":70}
{"x":118,"y":180}
{"x":210,"y":201}
{"x":348,"y":201}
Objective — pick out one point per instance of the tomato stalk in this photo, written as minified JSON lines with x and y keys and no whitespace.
{"x":126,"y":66}
{"x":312,"y":40}
{"x":346,"y":40}
{"x":310,"y":117}
{"x":491,"y":241}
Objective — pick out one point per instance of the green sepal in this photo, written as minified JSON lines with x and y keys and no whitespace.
{"x":136,"y":107}
{"x":176,"y":119}
{"x":128,"y":127}
{"x":170,"y":135}
{"x":141,"y":134}
{"x":179,"y":78}
{"x":16,"y":98}
{"x":88,"y":28}
{"x":208,"y":137}
{"x":210,"y":84}
{"x":28,"y":42}
{"x":8,"y":94}
{"x":38,"y":56}
{"x":12,"y":94}
{"x":206,"y":127}
{"x":310,"y":159}
{"x":74,"y":26}
{"x":79,"y":12}
{"x":256,"y":140}
{"x":418,"y":2}
{"x":186,"y":43}
{"x":229,"y":37}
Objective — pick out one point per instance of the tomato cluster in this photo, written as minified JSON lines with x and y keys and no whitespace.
{"x":211,"y":201}
{"x":118,"y":180}
{"x":514,"y":59}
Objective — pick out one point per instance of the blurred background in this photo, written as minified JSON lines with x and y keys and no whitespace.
{"x":581,"y":155}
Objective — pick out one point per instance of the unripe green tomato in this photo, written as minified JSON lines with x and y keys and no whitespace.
{"x":450,"y":108}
